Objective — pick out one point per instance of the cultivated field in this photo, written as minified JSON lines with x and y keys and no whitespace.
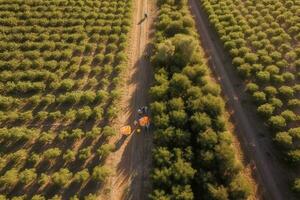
{"x":60,"y":65}
{"x":263,"y":41}
{"x":220,"y":79}
{"x":194,"y":154}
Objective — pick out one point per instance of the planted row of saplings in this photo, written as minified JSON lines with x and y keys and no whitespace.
{"x":53,"y":75}
{"x":261,"y":38}
{"x":194,"y":156}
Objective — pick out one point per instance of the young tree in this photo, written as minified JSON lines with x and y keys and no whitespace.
{"x":159,"y":194}
{"x":240,"y":187}
{"x":108,"y":131}
{"x":284,"y":139}
{"x":84,"y":153}
{"x":179,"y":84}
{"x":277,"y":122}
{"x":38,"y":197}
{"x":51,"y":153}
{"x":200,"y":122}
{"x":294,"y":156}
{"x":218,"y":192}
{"x":266,"y":110}
{"x":105,"y":149}
{"x":69,"y":156}
{"x":90,"y":197}
{"x":296,"y":185}
{"x":259,"y":97}
{"x":100,"y":173}
{"x":289,"y":115}
{"x":10,"y":178}
{"x":62,"y":177}
{"x":27,"y":176}
{"x":56,"y":197}
{"x":44,"y":179}
{"x":183,"y":192}
{"x":81,"y":176}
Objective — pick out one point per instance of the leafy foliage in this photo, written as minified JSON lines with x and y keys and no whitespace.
{"x":193,"y":156}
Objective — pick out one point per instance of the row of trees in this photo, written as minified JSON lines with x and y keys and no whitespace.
{"x":194,"y":156}
{"x":62,"y":179}
{"x":56,"y":197}
{"x":22,"y":134}
{"x":261,"y":37}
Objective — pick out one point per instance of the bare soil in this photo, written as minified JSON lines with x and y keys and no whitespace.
{"x":131,"y":161}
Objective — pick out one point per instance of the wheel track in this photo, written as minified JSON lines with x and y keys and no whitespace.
{"x":132,"y":159}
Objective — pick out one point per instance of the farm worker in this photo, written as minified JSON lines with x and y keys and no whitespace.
{"x":145,"y":110}
{"x":140,"y":111}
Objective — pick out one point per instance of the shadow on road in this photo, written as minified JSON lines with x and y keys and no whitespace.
{"x":142,"y":20}
{"x":120,"y":142}
{"x":136,"y":159}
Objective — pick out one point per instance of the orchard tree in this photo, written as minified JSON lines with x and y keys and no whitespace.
{"x":179,"y":84}
{"x":178,"y":118}
{"x":51,"y":154}
{"x":277,"y":122}
{"x":240,"y":187}
{"x":162,"y":157}
{"x":82,"y":176}
{"x":62,"y":177}
{"x":183,"y":192}
{"x":284,"y":139}
{"x":289,"y":115}
{"x":217,"y":192}
{"x":157,"y":107}
{"x":296,"y":185}
{"x":105,"y":149}
{"x":27,"y":176}
{"x":69,"y":156}
{"x":100,"y":173}
{"x":265,"y":110}
{"x":200,"y":122}
{"x":185,"y":47}
{"x":294,"y":156}
{"x":38,"y":197}
{"x":286,"y":91}
{"x":90,"y":197}
{"x":108,"y":131}
{"x":84,"y":153}
{"x":176,"y":104}
{"x":10,"y":178}
{"x":259,"y":97}
{"x":159,"y":194}
{"x":44,"y":179}
{"x":56,"y":197}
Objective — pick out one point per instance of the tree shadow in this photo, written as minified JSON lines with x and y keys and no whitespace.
{"x":120,"y":142}
{"x":135,"y":162}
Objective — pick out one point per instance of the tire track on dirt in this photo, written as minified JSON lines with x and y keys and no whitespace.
{"x":131,"y":162}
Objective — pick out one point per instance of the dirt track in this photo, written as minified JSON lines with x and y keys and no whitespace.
{"x":131,"y":162}
{"x":271,"y":174}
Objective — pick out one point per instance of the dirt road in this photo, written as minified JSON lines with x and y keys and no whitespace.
{"x":131,"y":162}
{"x":273,"y":177}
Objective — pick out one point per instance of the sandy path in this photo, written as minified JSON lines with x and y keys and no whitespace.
{"x":271,"y":174}
{"x":131,"y":162}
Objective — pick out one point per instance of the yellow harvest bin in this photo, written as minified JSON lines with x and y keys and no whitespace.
{"x":125,"y":130}
{"x":144,"y":121}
